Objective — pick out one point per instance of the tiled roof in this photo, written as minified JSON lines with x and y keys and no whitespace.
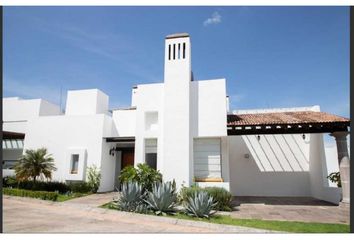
{"x":279,"y":118}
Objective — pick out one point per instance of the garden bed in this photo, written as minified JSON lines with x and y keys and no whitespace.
{"x":283,"y":226}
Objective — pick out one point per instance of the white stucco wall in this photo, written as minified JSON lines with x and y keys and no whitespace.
{"x":17,"y":111}
{"x":276,"y":165}
{"x":319,"y":168}
{"x":15,"y":126}
{"x":208,"y":108}
{"x":48,"y":108}
{"x":60,"y":134}
{"x":11,"y":154}
{"x":332,"y":161}
{"x":109,"y":163}
{"x":125,"y":122}
{"x":86,"y":102}
{"x":149,"y":98}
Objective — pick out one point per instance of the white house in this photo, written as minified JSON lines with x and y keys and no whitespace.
{"x":183,"y":128}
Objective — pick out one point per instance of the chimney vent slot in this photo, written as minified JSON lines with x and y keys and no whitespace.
{"x":179,"y":51}
{"x":169,"y":52}
{"x":174,"y":51}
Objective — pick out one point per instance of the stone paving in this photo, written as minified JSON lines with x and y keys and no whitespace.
{"x":93,"y":200}
{"x":290,"y":209}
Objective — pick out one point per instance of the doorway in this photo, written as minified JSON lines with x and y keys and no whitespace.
{"x":127,"y":158}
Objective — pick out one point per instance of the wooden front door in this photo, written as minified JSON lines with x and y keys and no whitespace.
{"x":127,"y":158}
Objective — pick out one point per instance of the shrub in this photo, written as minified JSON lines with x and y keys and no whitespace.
{"x":53,"y":196}
{"x":221,"y":196}
{"x":143,"y":174}
{"x":79,"y":186}
{"x":130,"y":198}
{"x":335,"y":178}
{"x":162,"y":199}
{"x":128,"y":174}
{"x":94,"y":178}
{"x":9,"y":181}
{"x":52,"y":186}
{"x":187,"y":192}
{"x":200,"y":204}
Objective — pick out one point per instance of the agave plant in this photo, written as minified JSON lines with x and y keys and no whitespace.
{"x":162,"y":199}
{"x":200,"y":205}
{"x":130,"y":198}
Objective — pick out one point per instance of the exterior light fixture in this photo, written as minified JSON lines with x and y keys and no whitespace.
{"x":111,"y":151}
{"x":303,"y":136}
{"x":259,"y":137}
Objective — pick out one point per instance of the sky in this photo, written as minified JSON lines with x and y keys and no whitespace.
{"x":271,"y":57}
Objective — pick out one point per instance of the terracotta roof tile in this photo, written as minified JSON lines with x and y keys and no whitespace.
{"x":279,"y":118}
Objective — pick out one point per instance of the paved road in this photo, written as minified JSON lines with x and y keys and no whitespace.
{"x":32,"y":215}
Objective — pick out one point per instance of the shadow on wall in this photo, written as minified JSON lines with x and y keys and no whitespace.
{"x":272,"y":165}
{"x":279,"y":153}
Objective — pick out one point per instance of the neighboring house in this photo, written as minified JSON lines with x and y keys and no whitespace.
{"x":183,"y":128}
{"x":16,"y":114}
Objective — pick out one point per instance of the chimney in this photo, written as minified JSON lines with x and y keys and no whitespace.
{"x":177,"y":57}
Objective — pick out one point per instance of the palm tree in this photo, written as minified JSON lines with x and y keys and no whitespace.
{"x":33,"y":164}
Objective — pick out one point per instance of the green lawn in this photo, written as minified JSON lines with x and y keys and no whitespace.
{"x":62,"y":197}
{"x":283,"y":226}
{"x":49,"y":196}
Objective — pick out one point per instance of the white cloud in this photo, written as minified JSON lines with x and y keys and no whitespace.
{"x":214,"y":19}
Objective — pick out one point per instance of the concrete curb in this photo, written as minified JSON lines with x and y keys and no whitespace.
{"x":222,"y":228}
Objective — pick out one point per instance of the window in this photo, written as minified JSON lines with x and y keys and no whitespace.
{"x":20,"y":143}
{"x":169,"y":52}
{"x":8,"y":144}
{"x":12,"y":143}
{"x":74,"y":163}
{"x":184,"y":50}
{"x":151,"y":152}
{"x":207,"y":159}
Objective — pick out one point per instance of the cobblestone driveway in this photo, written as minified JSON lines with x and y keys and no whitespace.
{"x":290,"y":209}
